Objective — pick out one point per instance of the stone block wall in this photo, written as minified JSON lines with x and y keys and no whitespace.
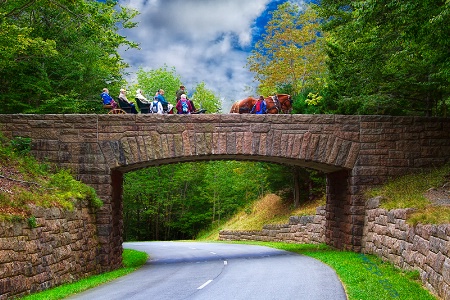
{"x":425,"y":248}
{"x":62,"y":248}
{"x":304,"y":229}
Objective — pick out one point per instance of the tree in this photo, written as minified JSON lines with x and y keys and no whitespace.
{"x":205,"y":99}
{"x":290,"y":55}
{"x":56,"y":56}
{"x":163,"y":78}
{"x":168,"y":80}
{"x":388,"y":57}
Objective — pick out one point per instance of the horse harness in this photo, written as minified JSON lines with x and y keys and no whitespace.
{"x":276,"y":104}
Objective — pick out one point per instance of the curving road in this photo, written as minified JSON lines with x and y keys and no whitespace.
{"x":214,"y":271}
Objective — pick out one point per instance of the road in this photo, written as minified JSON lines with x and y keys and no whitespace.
{"x":215,"y":271}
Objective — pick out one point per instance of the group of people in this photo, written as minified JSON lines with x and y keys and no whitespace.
{"x":158,"y":105}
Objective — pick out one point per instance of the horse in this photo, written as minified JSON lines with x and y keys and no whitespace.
{"x":279,"y":103}
{"x":243,"y":106}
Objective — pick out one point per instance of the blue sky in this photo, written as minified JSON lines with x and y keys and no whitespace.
{"x":205,"y":40}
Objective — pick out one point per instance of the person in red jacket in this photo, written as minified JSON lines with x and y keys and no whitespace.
{"x":184,"y":105}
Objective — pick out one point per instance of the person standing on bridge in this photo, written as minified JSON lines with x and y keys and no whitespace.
{"x":260,"y":106}
{"x":180,"y":92}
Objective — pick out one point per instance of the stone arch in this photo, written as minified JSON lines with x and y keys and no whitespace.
{"x":329,"y":154}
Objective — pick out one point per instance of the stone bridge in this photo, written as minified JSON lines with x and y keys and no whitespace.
{"x":355,"y":152}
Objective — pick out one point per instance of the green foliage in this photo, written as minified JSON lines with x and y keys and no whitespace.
{"x":163,"y":78}
{"x":205,"y":99}
{"x":64,"y":52}
{"x":32,"y":222}
{"x":177,"y":201}
{"x":387,"y":57}
{"x":290,"y":54}
{"x":308,"y":102}
{"x":21,"y":145}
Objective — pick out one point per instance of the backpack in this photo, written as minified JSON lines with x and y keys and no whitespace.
{"x":184,"y":106}
{"x":155,"y":107}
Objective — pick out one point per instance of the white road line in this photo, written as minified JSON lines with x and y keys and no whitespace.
{"x":205,"y":284}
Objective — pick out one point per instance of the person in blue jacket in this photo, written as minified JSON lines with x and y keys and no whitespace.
{"x":162,"y":100}
{"x":107,"y":99}
{"x":260,"y":106}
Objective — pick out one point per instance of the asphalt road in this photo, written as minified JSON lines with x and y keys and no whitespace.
{"x":214,"y":271}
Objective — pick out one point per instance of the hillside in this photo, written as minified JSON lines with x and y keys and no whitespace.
{"x":427,"y":192}
{"x":270,"y":209}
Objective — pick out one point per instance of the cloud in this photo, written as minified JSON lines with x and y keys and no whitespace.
{"x":205,"y":40}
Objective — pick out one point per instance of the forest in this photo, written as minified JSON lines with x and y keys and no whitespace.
{"x":381,"y":57}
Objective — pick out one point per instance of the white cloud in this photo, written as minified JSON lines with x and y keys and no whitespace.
{"x":205,"y":40}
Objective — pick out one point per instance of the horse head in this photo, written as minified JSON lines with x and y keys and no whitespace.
{"x":285,"y":103}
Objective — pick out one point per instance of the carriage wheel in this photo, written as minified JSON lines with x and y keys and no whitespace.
{"x":116,"y":111}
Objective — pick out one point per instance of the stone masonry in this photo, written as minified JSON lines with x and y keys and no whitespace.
{"x":422,"y":247}
{"x":355,"y":152}
{"x":62,"y":248}
{"x":300,"y":229}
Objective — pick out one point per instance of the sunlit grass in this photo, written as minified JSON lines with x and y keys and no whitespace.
{"x":271,"y":209}
{"x":132,"y":260}
{"x":409,"y":192}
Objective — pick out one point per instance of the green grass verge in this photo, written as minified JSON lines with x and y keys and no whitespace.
{"x":363,"y":276}
{"x":132,"y":260}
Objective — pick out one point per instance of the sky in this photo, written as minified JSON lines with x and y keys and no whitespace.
{"x":204,"y":40}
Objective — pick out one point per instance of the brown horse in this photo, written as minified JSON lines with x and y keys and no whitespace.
{"x":279,"y":103}
{"x":243,"y":106}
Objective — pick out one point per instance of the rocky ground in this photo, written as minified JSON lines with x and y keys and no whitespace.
{"x":440,"y":195}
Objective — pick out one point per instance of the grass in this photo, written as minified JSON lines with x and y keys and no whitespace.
{"x":25,"y":181}
{"x":409,"y":192}
{"x":363,"y":276}
{"x":132,"y":260}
